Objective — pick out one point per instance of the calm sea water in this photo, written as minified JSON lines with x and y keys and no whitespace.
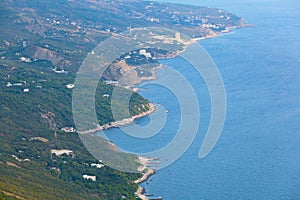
{"x":258,"y":153}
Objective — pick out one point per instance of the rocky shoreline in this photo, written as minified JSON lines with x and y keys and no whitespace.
{"x":122,"y":122}
{"x":140,"y":193}
{"x":147,"y":172}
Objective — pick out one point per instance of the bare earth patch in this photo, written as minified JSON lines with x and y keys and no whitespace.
{"x":12,"y":164}
{"x":11,"y":194}
{"x":44,"y":140}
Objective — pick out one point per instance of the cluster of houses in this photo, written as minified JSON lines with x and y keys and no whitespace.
{"x":93,"y":178}
{"x":9,"y":84}
{"x":89,"y":177}
{"x":67,"y":152}
{"x":24,"y":85}
{"x":26,"y":90}
{"x":19,"y":159}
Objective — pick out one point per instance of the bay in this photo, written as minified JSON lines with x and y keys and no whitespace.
{"x":258,"y":153}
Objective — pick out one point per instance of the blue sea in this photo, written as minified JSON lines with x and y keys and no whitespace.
{"x":258,"y":153}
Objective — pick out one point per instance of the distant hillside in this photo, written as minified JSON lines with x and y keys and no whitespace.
{"x":62,"y":31}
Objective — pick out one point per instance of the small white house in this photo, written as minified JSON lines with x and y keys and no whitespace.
{"x":113,"y":83}
{"x":23,"y":59}
{"x":99,"y":166}
{"x":61,"y":152}
{"x":70,"y":86}
{"x":145,"y":53}
{"x":69,"y":129}
{"x":60,"y":71}
{"x":87,"y":177}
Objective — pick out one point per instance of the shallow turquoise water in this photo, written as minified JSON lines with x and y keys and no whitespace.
{"x":258,"y":154}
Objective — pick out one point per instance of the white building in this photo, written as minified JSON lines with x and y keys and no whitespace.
{"x":61,"y":152}
{"x":99,"y":166}
{"x":145,"y":53}
{"x":69,"y":129}
{"x":70,"y":86}
{"x":113,"y":83}
{"x":23,"y":59}
{"x":87,"y":177}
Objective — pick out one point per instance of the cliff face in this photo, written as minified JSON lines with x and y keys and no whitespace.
{"x":46,"y":54}
{"x":39,"y":53}
{"x":129,"y":74}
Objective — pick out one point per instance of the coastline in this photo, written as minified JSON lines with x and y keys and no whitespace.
{"x":122,"y":122}
{"x":143,"y":169}
{"x":135,"y":88}
{"x":210,"y":35}
{"x":131,"y":120}
{"x":140,"y":193}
